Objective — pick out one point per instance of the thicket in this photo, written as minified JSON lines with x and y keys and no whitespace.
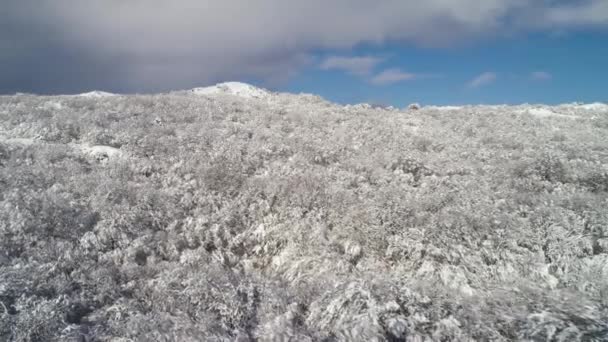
{"x":225,"y":219}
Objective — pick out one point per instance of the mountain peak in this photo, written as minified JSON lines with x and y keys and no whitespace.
{"x":96,"y":94}
{"x":233,"y":88}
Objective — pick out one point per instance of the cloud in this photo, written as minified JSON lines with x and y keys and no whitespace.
{"x":594,"y":12}
{"x":483,"y":79}
{"x":153,"y":45}
{"x":391,"y":76}
{"x":360,"y":66}
{"x":364,"y":67}
{"x":540,"y":76}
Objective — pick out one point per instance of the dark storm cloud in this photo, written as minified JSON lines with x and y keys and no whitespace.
{"x":36,"y":56}
{"x":55,"y":46}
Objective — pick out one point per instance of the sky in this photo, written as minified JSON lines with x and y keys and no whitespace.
{"x":390,"y":52}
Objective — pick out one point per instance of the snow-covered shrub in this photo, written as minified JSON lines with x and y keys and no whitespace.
{"x":414,"y":106}
{"x":545,"y":167}
{"x":289,"y":218}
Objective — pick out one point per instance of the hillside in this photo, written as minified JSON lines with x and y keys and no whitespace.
{"x":232,"y":213}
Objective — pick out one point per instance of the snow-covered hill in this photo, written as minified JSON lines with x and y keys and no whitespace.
{"x":596,"y":107}
{"x":233,"y":88}
{"x":248,"y":91}
{"x":230,"y":213}
{"x":96,"y":94}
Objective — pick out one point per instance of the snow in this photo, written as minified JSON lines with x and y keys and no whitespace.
{"x":52,"y":105}
{"x":326,"y":223}
{"x":444,"y":108}
{"x":359,"y":106}
{"x":100,"y":151}
{"x":18,"y":141}
{"x":597,"y":106}
{"x":96,"y":94}
{"x":540,"y":112}
{"x":543,"y":112}
{"x":233,"y":88}
{"x":414,"y":106}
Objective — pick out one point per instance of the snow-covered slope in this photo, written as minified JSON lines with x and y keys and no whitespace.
{"x":96,"y":94}
{"x":543,"y":112}
{"x":596,"y":106}
{"x":292,"y":218}
{"x":233,"y":88}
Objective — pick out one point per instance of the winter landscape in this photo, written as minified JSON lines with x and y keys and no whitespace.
{"x":303,"y":171}
{"x":232,"y":213}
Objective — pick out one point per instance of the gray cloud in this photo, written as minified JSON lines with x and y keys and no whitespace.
{"x":578,"y":14}
{"x":153,"y":45}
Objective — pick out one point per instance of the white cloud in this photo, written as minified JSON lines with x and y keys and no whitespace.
{"x":360,"y":66}
{"x":540,"y":76}
{"x":483,"y":79}
{"x":391,"y":76}
{"x":159,"y":43}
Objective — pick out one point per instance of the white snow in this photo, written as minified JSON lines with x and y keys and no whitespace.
{"x":543,"y":112}
{"x":233,"y":88}
{"x":540,"y":112}
{"x":597,"y":106}
{"x":52,"y":105}
{"x":100,"y":151}
{"x":18,"y":141}
{"x":96,"y":94}
{"x":359,"y":106}
{"x":444,"y":108}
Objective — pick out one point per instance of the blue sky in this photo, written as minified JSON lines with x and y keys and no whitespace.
{"x":532,"y":68}
{"x":383,"y":51}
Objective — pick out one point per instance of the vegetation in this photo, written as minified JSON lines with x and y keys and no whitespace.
{"x":215,"y":218}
